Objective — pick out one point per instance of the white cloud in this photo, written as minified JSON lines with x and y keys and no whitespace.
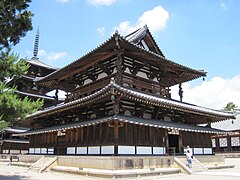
{"x":101,"y":31}
{"x":156,"y":19}
{"x":42,"y":52}
{"x":52,"y":56}
{"x":44,"y":55}
{"x":215,"y":93}
{"x":55,"y":56}
{"x":102,"y":2}
{"x":62,"y":1}
{"x":223,"y":5}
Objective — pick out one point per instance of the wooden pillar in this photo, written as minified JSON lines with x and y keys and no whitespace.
{"x":229,"y":146}
{"x":180,"y":92}
{"x":180,"y":144}
{"x":217,"y":144}
{"x":77,"y":136}
{"x":119,"y":65}
{"x":166,"y":141}
{"x":56,"y":96}
{"x":116,"y":125}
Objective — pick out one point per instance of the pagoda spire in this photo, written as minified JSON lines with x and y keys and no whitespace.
{"x":35,"y":50}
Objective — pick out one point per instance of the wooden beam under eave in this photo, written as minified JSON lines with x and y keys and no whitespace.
{"x":85,"y":65}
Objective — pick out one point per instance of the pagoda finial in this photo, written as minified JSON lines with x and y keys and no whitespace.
{"x":35,"y":50}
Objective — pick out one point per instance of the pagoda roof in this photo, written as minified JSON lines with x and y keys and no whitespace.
{"x":180,"y":72}
{"x":127,"y":119}
{"x":36,"y":95}
{"x":27,"y":77}
{"x":37,"y":62}
{"x":213,"y":115}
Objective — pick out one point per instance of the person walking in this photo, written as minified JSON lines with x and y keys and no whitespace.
{"x":189,"y":156}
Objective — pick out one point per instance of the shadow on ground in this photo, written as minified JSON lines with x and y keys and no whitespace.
{"x":13,"y":177}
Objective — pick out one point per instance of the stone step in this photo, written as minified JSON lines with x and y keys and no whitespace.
{"x":41,"y":163}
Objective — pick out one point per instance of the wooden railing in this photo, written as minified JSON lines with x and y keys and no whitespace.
{"x":128,"y":81}
{"x":144,"y":85}
{"x":89,"y":88}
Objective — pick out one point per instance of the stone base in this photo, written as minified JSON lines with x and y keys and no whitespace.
{"x":116,"y":162}
{"x":116,"y":173}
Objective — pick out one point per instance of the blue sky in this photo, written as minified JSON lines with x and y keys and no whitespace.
{"x":199,"y":34}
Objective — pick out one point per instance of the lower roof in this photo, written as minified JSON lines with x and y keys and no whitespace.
{"x":127,"y":119}
{"x":15,"y":129}
{"x":24,"y":141}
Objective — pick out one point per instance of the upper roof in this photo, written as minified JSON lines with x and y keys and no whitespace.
{"x":144,"y":38}
{"x":130,"y":46}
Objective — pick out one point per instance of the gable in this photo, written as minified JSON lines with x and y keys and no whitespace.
{"x":143,"y":38}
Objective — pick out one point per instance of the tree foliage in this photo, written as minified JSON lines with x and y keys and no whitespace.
{"x":11,"y":66}
{"x":15,"y":21}
{"x":14,"y":109}
{"x":3,"y":124}
{"x":230,"y":107}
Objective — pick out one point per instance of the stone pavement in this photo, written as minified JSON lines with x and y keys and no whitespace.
{"x":21,"y":173}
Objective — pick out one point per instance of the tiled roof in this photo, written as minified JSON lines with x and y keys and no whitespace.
{"x":127,"y":119}
{"x":229,"y":125}
{"x":35,"y":95}
{"x":162,"y":102}
{"x":137,"y":96}
{"x":136,"y":36}
{"x":110,"y":44}
{"x":66,"y":106}
{"x":39,"y":63}
{"x":14,"y":130}
{"x":16,"y":141}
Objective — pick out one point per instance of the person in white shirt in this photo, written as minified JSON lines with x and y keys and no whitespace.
{"x":189,"y":156}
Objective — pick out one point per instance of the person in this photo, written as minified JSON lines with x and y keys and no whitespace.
{"x":10,"y":159}
{"x":189,"y":156}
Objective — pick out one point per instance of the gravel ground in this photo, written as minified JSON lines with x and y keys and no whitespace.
{"x":21,"y":173}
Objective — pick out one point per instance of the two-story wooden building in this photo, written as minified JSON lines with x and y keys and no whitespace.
{"x":119,"y":103}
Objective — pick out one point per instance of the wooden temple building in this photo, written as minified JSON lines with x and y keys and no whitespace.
{"x":11,"y":144}
{"x":230,"y":142}
{"x":119,"y":103}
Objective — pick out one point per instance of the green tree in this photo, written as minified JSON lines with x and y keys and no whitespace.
{"x":15,"y":21}
{"x":230,"y":106}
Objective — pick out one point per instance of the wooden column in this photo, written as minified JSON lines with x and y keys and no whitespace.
{"x":119,"y":65}
{"x":166,"y":141}
{"x":56,"y":97}
{"x":180,"y":144}
{"x":217,"y":144}
{"x":180,"y":92}
{"x":229,"y":147}
{"x":116,"y":125}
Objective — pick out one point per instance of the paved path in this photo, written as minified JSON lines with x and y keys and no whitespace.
{"x":21,"y":173}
